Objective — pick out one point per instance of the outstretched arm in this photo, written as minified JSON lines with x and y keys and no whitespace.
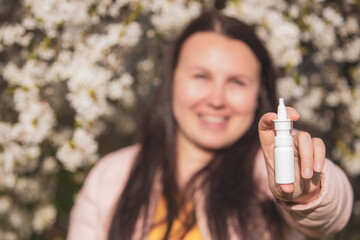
{"x":309,"y":155}
{"x":320,"y":200}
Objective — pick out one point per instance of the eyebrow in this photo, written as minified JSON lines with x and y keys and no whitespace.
{"x":239,"y":75}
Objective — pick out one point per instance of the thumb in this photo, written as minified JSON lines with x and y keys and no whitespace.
{"x":266,"y":129}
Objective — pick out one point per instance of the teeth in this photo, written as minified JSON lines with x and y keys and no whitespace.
{"x":213,"y":119}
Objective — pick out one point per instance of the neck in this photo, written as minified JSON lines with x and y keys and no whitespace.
{"x":190,"y":159}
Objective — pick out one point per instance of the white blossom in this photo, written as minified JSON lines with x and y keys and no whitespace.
{"x":29,"y":23}
{"x":294,"y":11}
{"x":55,"y":12}
{"x":145,"y":65}
{"x":352,"y":50}
{"x":332,"y":99}
{"x":35,"y":123}
{"x":7,"y":235}
{"x":308,"y":103}
{"x":117,"y":87}
{"x":88,"y":90}
{"x":60,"y":137}
{"x":130,"y":35}
{"x":333,"y":17}
{"x":338,"y":55}
{"x":5,"y":132}
{"x":46,"y":53}
{"x":289,"y":89}
{"x":29,"y":76}
{"x":254,"y":11}
{"x":26,"y":39}
{"x":5,"y":204}
{"x":28,"y":189}
{"x":352,"y":25}
{"x":18,"y":158}
{"x":351,"y":164}
{"x":19,"y":220}
{"x":173,"y":15}
{"x":14,"y":154}
{"x":281,"y":36}
{"x":43,"y":218}
{"x":61,"y":68}
{"x":7,"y":180}
{"x":354,"y":108}
{"x":323,"y":35}
{"x":10,"y":34}
{"x":50,"y":165}
{"x":78,"y":152}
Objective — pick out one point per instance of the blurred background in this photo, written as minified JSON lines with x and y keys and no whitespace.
{"x":76,"y":75}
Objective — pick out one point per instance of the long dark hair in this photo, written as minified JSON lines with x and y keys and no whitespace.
{"x":228,"y":181}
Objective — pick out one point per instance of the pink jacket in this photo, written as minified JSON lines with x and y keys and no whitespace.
{"x":92,"y":213}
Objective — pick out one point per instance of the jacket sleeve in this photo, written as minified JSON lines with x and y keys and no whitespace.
{"x":84,"y":215}
{"x":92,"y":212}
{"x":327,"y":214}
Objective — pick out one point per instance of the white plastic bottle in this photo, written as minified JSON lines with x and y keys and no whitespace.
{"x":283,"y":152}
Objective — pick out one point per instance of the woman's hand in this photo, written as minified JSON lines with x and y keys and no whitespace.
{"x":309,"y":156}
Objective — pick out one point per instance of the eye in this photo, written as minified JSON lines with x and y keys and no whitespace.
{"x":200,"y":76}
{"x":237,"y":81}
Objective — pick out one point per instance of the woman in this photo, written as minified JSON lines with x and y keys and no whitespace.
{"x":204,"y":166}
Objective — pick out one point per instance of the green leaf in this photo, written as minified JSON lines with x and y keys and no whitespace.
{"x":93,"y":96}
{"x":92,"y":10}
{"x":135,"y":14}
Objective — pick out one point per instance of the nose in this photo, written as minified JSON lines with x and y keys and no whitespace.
{"x":216,"y":98}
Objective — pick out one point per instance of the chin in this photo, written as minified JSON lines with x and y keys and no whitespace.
{"x":214,"y":146}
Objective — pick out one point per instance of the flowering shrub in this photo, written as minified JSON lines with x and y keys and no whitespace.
{"x":72,"y":73}
{"x":317,"y":47}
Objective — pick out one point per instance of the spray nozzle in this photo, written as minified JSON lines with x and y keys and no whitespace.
{"x":281,"y":110}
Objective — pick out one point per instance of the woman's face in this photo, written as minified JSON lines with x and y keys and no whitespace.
{"x":215,"y":90}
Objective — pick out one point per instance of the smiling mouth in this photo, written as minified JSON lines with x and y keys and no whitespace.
{"x":213,"y":119}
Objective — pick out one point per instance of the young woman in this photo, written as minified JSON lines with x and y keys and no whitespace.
{"x":204,"y":167}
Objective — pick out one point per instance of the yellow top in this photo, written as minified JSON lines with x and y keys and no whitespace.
{"x":159,"y":227}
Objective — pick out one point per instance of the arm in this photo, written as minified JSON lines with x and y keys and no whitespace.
{"x":92,"y":212}
{"x":318,"y":203}
{"x":329,"y":212}
{"x":84,"y":216}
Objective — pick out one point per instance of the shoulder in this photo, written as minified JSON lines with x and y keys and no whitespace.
{"x":116,"y":164}
{"x":92,"y":211}
{"x":112,"y":169}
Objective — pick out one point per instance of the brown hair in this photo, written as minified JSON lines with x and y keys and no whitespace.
{"x":228,"y":181}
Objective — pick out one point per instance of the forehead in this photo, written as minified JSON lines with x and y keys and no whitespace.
{"x":214,"y":48}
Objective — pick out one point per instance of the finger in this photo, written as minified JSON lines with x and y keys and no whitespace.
{"x":287,"y":188}
{"x":266,"y":130}
{"x":306,"y":154}
{"x":319,"y":154}
{"x":266,"y":121}
{"x":292,"y":114}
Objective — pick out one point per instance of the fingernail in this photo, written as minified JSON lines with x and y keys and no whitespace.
{"x":318,"y":167}
{"x":307,"y":173}
{"x":288,"y":188}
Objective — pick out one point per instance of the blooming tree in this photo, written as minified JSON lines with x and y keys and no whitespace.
{"x":72,"y":73}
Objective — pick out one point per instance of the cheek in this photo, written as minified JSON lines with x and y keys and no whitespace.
{"x":245,"y":102}
{"x":186,"y":94}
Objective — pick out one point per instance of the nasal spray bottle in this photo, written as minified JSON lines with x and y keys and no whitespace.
{"x":283,"y":152}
